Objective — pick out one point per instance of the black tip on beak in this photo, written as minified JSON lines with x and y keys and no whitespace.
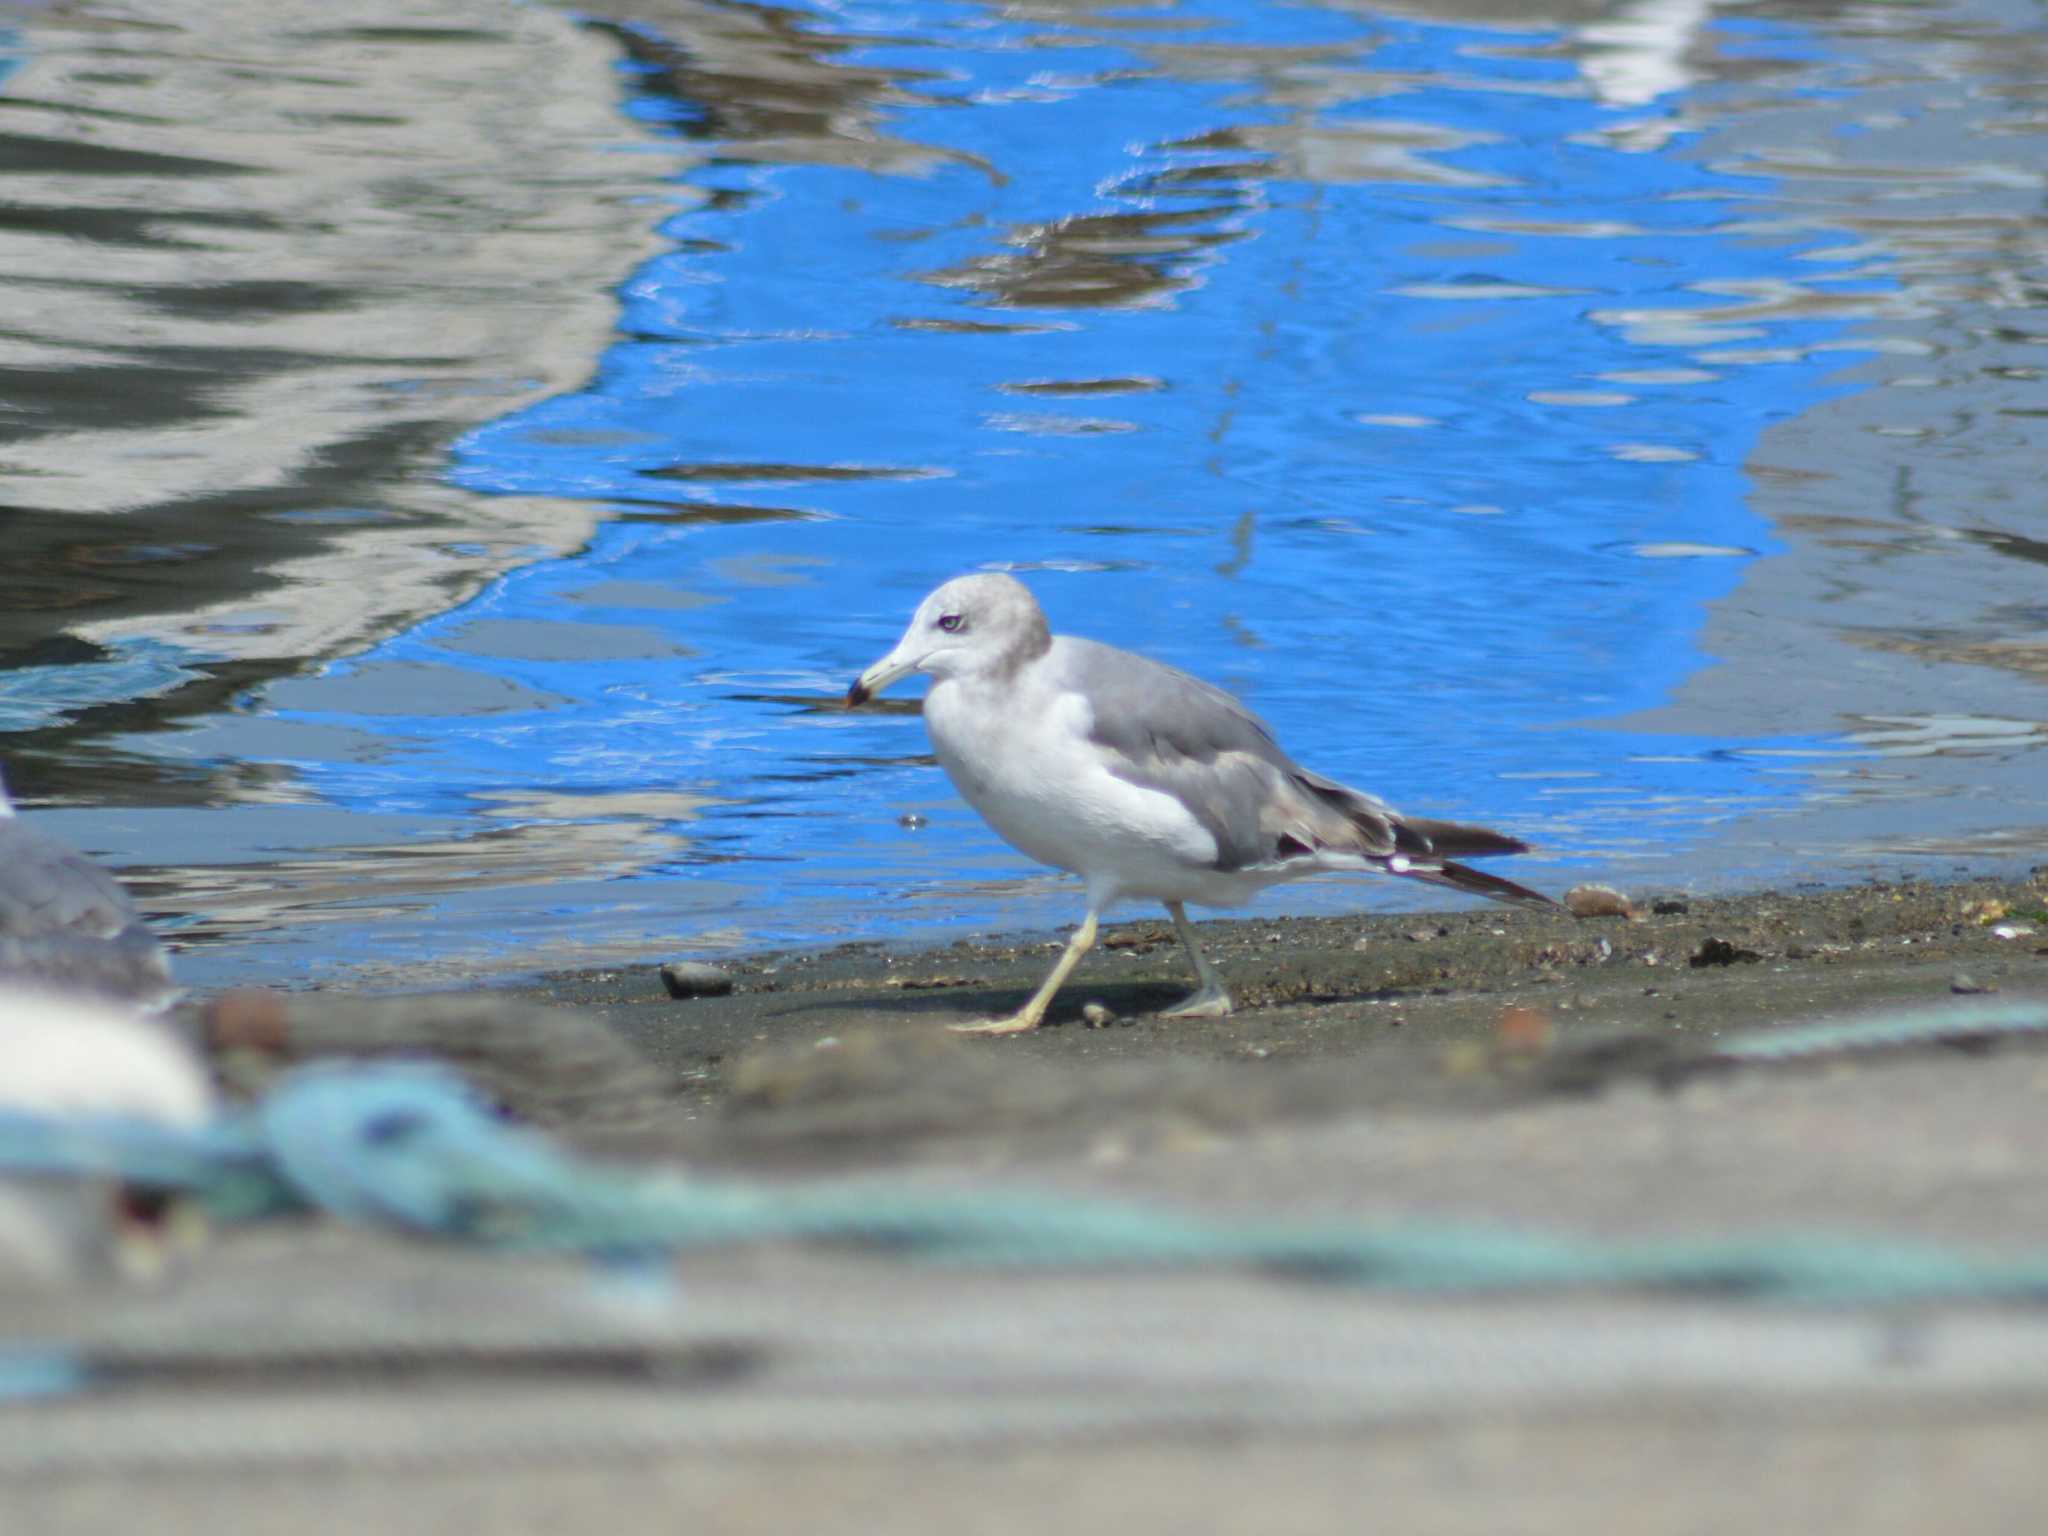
{"x":857,"y":695}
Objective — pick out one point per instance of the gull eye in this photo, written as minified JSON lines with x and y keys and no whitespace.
{"x":952,"y":623}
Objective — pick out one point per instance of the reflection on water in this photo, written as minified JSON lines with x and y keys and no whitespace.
{"x":260,"y":261}
{"x":1615,"y":423}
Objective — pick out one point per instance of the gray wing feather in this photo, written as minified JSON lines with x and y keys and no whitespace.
{"x":66,"y":922}
{"x":1177,"y":734}
{"x":47,"y":887}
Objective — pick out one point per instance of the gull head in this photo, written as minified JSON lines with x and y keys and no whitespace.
{"x":973,"y":625}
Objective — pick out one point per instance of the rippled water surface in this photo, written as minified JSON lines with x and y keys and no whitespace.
{"x":452,"y":470}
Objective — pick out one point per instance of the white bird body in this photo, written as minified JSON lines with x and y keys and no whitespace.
{"x":66,"y":1056}
{"x":62,"y":1054}
{"x":1025,"y":762}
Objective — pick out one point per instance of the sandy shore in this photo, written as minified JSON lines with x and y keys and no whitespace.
{"x":1486,"y":1068}
{"x":1401,"y":1013}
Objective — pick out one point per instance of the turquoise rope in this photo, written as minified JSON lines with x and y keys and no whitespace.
{"x":1920,"y":1026}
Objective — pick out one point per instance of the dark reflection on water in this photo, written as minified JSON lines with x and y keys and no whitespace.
{"x":1615,"y":424}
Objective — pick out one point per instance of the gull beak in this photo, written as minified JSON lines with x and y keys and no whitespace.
{"x":871,"y":682}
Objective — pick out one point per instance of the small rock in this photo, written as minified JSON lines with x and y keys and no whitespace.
{"x":693,"y":978}
{"x":1968,"y":985}
{"x":2011,"y":931}
{"x":1144,"y":939}
{"x":1670,"y":906}
{"x":1721,"y":952}
{"x":1097,"y":1015}
{"x":1597,"y":901}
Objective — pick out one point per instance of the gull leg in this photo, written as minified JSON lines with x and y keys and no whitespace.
{"x":1210,"y":1001}
{"x":1031,"y":1013}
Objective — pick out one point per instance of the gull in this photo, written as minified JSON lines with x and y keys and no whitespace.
{"x":1148,"y":783}
{"x":67,"y":925}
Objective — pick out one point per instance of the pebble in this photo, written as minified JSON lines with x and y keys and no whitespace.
{"x":1670,"y":906}
{"x":1721,"y":952}
{"x":1967,"y":985}
{"x":1097,"y":1015}
{"x":693,"y":978}
{"x":1597,"y":901}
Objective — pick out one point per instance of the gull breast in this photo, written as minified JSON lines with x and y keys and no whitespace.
{"x":1022,"y":758}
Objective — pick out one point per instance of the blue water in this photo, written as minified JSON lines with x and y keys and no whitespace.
{"x":1376,"y":369}
{"x":1421,"y":460}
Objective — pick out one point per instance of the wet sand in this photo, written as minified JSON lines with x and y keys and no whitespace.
{"x":1405,"y":1012}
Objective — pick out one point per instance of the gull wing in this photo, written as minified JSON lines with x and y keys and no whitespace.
{"x":1164,"y":730}
{"x":66,"y":922}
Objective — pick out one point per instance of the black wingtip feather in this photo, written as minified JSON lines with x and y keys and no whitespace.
{"x":1459,"y":838}
{"x":1477,"y":882}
